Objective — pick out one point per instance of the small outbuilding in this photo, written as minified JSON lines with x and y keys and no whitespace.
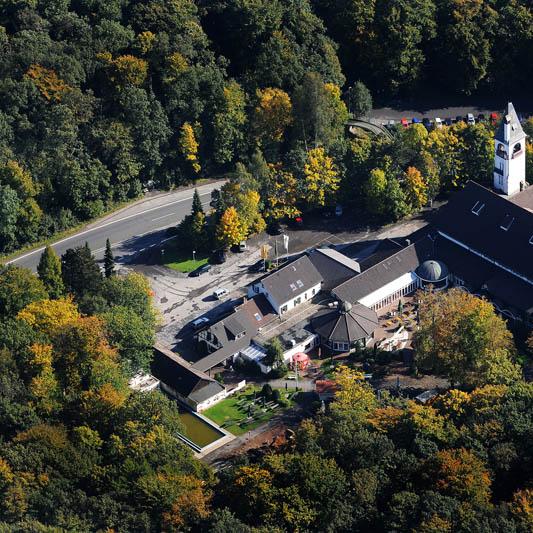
{"x":346,"y":327}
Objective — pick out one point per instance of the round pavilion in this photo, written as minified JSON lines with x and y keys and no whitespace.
{"x":434,"y":273}
{"x":345,"y":327}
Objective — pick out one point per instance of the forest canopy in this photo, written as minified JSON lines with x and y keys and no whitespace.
{"x":100,"y":99}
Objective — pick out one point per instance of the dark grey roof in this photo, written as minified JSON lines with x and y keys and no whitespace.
{"x":346,"y":324}
{"x":178,"y":374}
{"x":432,"y":270}
{"x":511,"y":291}
{"x":515,"y":131}
{"x":406,"y":260}
{"x":251,"y":315}
{"x":500,"y":230}
{"x":234,"y":325}
{"x":383,"y":250}
{"x":333,"y":269}
{"x":291,"y":280}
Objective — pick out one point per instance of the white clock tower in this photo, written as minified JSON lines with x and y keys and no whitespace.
{"x":510,"y":154}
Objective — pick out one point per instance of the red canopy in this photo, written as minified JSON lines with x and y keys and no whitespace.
{"x":300,"y":358}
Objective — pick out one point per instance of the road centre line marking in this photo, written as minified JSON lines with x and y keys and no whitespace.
{"x":164,"y":216}
{"x":102,"y":226}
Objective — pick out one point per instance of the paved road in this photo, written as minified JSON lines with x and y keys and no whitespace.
{"x":382,"y":115}
{"x":130,"y":230}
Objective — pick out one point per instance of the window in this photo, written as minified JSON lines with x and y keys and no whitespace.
{"x":531,"y":240}
{"x":478,"y":206}
{"x":283,"y":309}
{"x":298,"y":300}
{"x":507,"y":221}
{"x":256,"y":288}
{"x":257,"y":317}
{"x":314,"y":292}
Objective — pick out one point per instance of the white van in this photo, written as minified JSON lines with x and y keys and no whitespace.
{"x":242,"y":246}
{"x":470,"y":119}
{"x":438,"y":123}
{"x":220,"y":293}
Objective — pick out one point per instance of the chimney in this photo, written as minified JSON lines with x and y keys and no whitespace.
{"x":408,"y":242}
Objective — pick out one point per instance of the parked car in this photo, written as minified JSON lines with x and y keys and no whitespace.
{"x":220,"y":293}
{"x":259,"y":266}
{"x":416,"y":121}
{"x":494,"y":118}
{"x":296,"y":222}
{"x":481,"y":118}
{"x":218,"y":257}
{"x":242,"y":246}
{"x":448,"y":121}
{"x":338,"y":210}
{"x":404,"y":122}
{"x":427,"y":123}
{"x":200,"y":322}
{"x":391,"y":124}
{"x":470,"y":119}
{"x":200,"y":270}
{"x":459,"y":118}
{"x":438,"y":123}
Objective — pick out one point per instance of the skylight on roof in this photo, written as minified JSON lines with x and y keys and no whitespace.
{"x":531,"y":240}
{"x":478,"y":206}
{"x":257,"y":317}
{"x":292,"y":286}
{"x":299,"y":283}
{"x":507,"y":222}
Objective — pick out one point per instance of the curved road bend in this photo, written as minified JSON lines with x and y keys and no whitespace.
{"x":132,"y":229}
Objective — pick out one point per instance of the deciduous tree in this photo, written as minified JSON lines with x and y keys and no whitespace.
{"x":321,"y":178}
{"x":230,"y":229}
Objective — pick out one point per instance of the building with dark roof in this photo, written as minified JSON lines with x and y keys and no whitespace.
{"x":334,"y":267}
{"x":289,"y":286}
{"x":225,"y":339}
{"x":346,"y":327}
{"x":179,"y":379}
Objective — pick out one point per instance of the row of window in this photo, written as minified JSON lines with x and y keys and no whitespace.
{"x":408,"y":289}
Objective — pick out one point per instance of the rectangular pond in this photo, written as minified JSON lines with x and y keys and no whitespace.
{"x":197,"y":430}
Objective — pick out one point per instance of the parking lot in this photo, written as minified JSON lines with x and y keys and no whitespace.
{"x":181,"y":299}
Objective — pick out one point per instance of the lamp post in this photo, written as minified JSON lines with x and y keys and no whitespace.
{"x":194,"y":256}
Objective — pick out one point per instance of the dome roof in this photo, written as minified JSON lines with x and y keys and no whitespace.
{"x":432,"y":271}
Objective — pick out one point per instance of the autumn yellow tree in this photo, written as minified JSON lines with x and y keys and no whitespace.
{"x":282,"y":193}
{"x":415,"y":188}
{"x":321,"y":177}
{"x":460,"y":336}
{"x":230,"y":229}
{"x":272,"y":114}
{"x":125,"y":70}
{"x":50,"y":316}
{"x":43,"y":385}
{"x":189,"y":147}
{"x":460,"y":474}
{"x":50,"y":85}
{"x":353,"y":394}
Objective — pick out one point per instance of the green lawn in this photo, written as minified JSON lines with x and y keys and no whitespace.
{"x":232,"y":412}
{"x":177,"y":260}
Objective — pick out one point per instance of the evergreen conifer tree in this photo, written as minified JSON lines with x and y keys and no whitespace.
{"x":196,"y":203}
{"x":49,"y":270}
{"x":81,"y":273}
{"x":109,"y":260}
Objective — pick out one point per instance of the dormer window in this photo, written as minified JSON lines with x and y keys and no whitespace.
{"x":507,"y":222}
{"x":531,"y":240}
{"x":478,"y":206}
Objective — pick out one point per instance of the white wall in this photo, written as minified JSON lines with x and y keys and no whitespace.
{"x":313,"y":340}
{"x":202,"y":406}
{"x":309,"y":293}
{"x":390,"y":288}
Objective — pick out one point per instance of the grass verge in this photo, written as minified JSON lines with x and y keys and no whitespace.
{"x":181,"y":261}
